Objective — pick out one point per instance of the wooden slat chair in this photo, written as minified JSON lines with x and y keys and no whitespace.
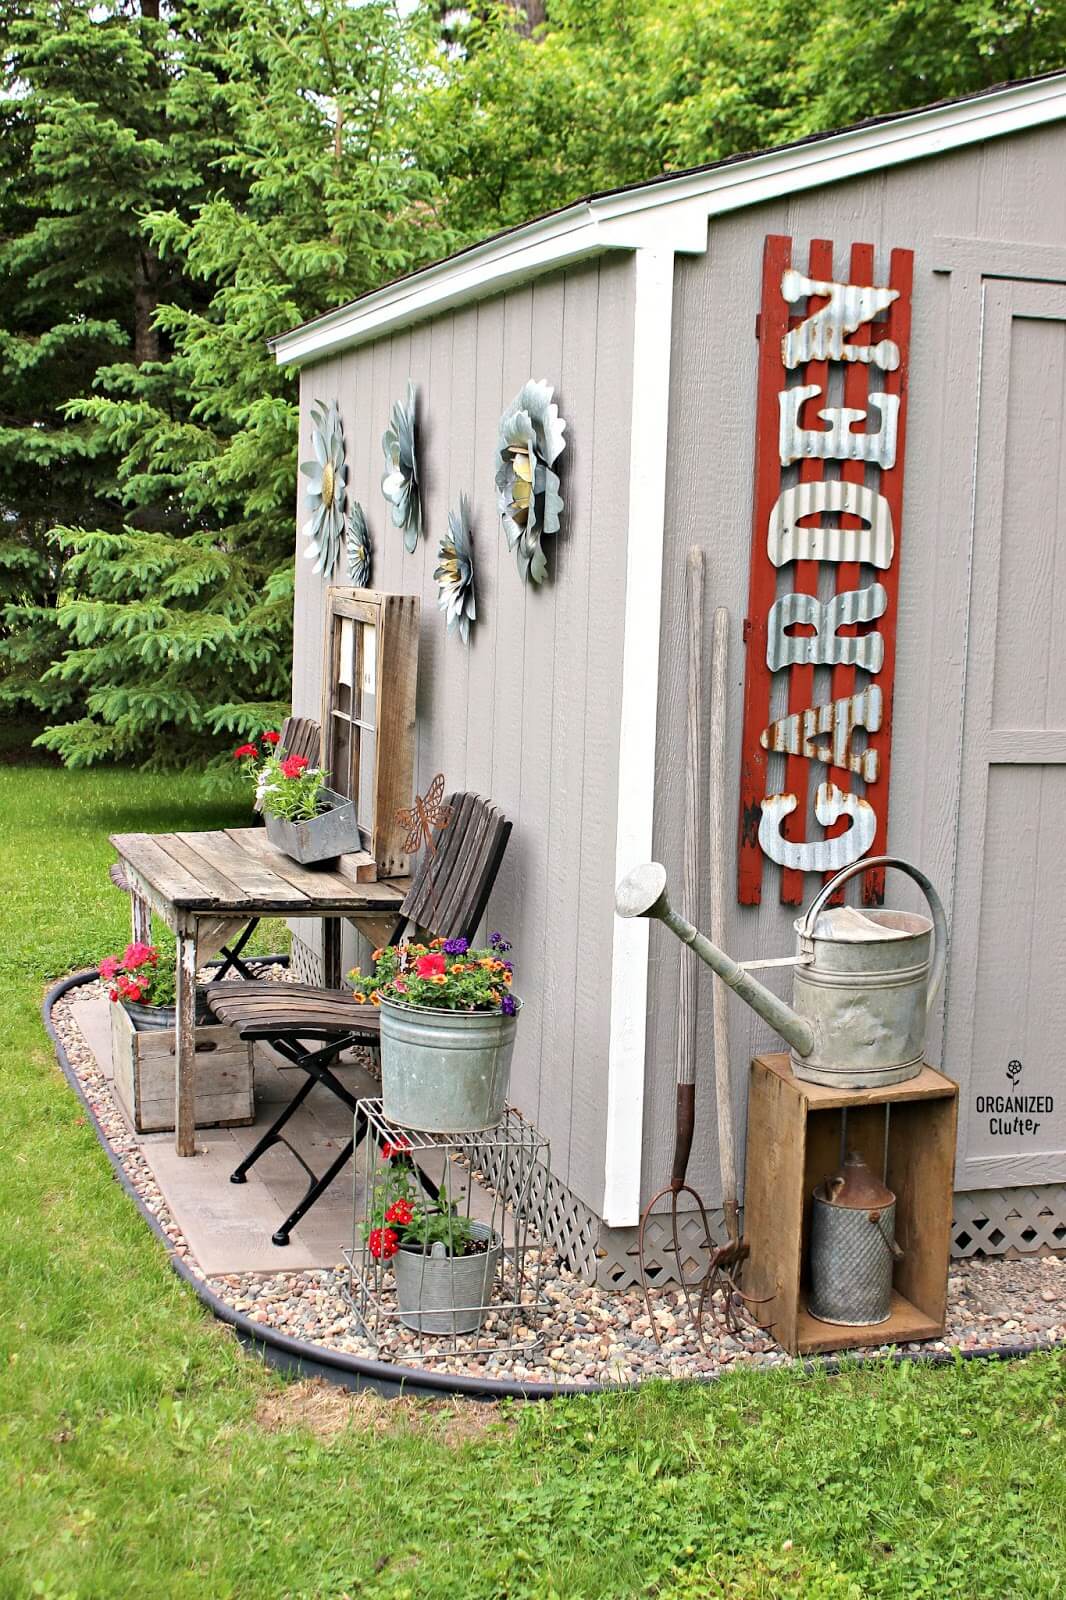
{"x":446,"y":900}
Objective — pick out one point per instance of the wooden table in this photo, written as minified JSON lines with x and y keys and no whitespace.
{"x":207,"y":886}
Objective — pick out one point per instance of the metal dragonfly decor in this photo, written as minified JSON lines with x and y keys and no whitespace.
{"x":427,"y":816}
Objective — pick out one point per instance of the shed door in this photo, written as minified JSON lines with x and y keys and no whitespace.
{"x":1007,"y":1006}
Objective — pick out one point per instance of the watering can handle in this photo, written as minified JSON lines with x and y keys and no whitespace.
{"x":940,"y":921}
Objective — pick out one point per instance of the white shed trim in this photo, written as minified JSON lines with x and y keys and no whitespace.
{"x":653,"y":306}
{"x":673,"y":210}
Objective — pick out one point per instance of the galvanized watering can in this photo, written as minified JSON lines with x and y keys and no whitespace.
{"x":865,"y":981}
{"x":853,"y":1247}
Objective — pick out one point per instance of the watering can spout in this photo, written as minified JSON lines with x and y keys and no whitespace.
{"x":642,"y":893}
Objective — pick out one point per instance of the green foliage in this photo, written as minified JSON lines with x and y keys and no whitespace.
{"x":144,"y":1452}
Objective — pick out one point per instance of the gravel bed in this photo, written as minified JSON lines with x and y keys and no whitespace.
{"x":587,"y":1335}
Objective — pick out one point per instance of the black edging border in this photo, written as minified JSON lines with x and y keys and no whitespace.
{"x":349,"y":1371}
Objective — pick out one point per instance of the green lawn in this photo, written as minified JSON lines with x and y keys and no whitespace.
{"x":141,"y":1453}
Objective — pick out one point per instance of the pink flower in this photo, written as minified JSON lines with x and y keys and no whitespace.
{"x":139,"y":955}
{"x":429,"y":966}
{"x":108,"y":967}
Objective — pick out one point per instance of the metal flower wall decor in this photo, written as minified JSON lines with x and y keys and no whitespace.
{"x":531,"y":438}
{"x":327,"y":487}
{"x":455,"y":575}
{"x":359,"y":553}
{"x":399,"y":483}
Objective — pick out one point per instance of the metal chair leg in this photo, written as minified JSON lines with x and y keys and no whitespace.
{"x":315,"y":1192}
{"x":272,"y":1135}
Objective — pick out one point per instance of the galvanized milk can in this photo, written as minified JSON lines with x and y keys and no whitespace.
{"x":866,"y":981}
{"x":853,"y":1247}
{"x":864,"y":985}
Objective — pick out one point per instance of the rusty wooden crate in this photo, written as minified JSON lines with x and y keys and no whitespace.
{"x":144,"y":1075}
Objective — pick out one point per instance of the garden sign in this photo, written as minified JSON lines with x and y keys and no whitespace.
{"x":822,"y":597}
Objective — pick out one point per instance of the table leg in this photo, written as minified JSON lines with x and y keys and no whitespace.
{"x":140,"y":918}
{"x":185,"y":1042}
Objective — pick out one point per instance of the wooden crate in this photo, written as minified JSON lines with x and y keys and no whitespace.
{"x":144,"y":1076}
{"x":794,"y":1138}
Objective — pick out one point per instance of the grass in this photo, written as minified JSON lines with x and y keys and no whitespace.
{"x":142,"y":1453}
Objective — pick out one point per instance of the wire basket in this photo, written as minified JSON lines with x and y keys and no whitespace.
{"x":489,"y":1299}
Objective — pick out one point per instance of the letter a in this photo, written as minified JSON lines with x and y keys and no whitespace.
{"x":796,"y":735}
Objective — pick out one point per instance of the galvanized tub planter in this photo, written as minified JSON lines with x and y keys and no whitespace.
{"x":156,"y":1019}
{"x":445,"y":1071}
{"x":332,"y":833}
{"x":853,"y":1247}
{"x":439,"y":1293}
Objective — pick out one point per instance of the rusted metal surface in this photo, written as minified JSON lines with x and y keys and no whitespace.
{"x":797,"y":734}
{"x":827,"y":499}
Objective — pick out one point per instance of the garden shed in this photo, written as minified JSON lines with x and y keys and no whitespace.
{"x":715,"y":340}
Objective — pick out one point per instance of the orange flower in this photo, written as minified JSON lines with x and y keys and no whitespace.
{"x":494,"y":996}
{"x":438,"y":978}
{"x":375,"y":955}
{"x":375,"y":998}
{"x":360,"y":999}
{"x":488,"y":964}
{"x":508,"y":977}
{"x":436,"y":944}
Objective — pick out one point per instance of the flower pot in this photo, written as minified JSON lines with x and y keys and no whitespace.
{"x":154,"y":1019}
{"x":438,"y":1293}
{"x":323,"y":838}
{"x":445,"y":1071}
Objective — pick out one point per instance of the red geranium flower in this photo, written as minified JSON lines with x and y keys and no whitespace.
{"x":399,"y":1147}
{"x":293,"y":766}
{"x":243,"y":751}
{"x":401,"y":1212}
{"x":383,"y":1243}
{"x":270,"y":738}
{"x":429,"y":966}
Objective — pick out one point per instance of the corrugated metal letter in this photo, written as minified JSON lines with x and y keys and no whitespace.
{"x":819,"y":855}
{"x":872,"y":544}
{"x":796,"y":735}
{"x":826,"y":648}
{"x":820,"y":337}
{"x":837,"y":441}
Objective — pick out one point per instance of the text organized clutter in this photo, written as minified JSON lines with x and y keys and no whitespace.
{"x":822,"y":596}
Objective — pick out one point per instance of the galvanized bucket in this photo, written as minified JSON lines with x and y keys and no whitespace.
{"x":445,"y":1071}
{"x":438,"y":1293}
{"x":865,"y":982}
{"x":853,"y":1248}
{"x":159,"y":1019}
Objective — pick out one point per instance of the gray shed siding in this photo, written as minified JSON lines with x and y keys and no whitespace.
{"x":1012,"y":189}
{"x":528,"y":714}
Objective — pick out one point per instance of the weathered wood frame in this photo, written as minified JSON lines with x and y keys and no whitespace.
{"x":794,"y":1132}
{"x":395,"y":619}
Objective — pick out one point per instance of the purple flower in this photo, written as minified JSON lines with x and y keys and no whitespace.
{"x":498,"y":943}
{"x":494,"y":939}
{"x":456,"y":947}
{"x":508,"y":1006}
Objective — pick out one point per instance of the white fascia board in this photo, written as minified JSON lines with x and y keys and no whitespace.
{"x":670,"y":212}
{"x":649,"y":435}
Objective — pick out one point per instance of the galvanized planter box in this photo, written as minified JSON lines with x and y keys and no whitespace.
{"x":334,"y":833}
{"x":143,"y":1062}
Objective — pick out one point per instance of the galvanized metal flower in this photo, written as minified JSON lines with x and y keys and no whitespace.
{"x":359,"y":554}
{"x":399,"y":483}
{"x":531,"y":438}
{"x":455,"y":575}
{"x":327,"y":487}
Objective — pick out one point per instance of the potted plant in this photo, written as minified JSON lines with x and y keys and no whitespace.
{"x":144,"y":1044}
{"x":448,"y":1021}
{"x":444,"y":1264}
{"x":144,"y":989}
{"x":304,"y":818}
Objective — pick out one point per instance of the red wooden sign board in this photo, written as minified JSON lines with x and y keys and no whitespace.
{"x":822,"y":597}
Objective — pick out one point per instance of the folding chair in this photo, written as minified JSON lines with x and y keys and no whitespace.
{"x":446,"y":900}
